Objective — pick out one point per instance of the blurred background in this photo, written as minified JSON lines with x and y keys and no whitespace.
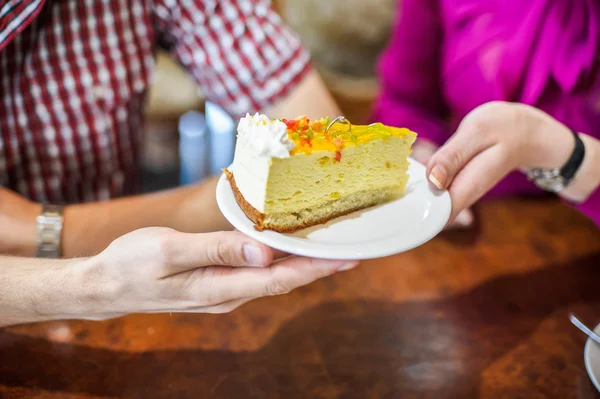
{"x":344,"y":37}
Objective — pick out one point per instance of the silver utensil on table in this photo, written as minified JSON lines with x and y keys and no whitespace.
{"x":589,"y":332}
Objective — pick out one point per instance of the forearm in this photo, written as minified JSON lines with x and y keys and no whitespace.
{"x":33,"y":290}
{"x":310,"y":98}
{"x":89,"y":228}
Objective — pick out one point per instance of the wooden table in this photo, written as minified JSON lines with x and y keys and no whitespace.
{"x":474,"y":314}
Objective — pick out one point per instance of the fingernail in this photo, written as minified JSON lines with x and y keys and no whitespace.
{"x":347,"y":266}
{"x":438,"y":176}
{"x":253,"y":255}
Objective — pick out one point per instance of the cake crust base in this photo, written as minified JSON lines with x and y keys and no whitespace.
{"x":261,"y":221}
{"x":253,"y":214}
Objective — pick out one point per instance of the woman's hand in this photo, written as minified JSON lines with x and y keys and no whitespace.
{"x":422,"y":152}
{"x":156,"y":270}
{"x":493,"y":140}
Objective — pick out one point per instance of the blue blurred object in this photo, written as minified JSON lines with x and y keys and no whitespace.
{"x":193,"y":148}
{"x":221,"y":128}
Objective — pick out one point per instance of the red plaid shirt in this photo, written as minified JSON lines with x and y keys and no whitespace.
{"x":74,"y":76}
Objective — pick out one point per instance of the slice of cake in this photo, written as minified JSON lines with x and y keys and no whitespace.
{"x":291,"y":174}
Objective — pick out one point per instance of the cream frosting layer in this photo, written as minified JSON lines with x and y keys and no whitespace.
{"x":259,"y":139}
{"x":264,"y":137}
{"x":251,"y":172}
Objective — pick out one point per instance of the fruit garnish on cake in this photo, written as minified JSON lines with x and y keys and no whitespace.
{"x":291,"y":174}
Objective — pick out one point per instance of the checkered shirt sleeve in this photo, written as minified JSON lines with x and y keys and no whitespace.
{"x":239,"y":51}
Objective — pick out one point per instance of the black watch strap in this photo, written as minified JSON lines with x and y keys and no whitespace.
{"x":569,"y":169}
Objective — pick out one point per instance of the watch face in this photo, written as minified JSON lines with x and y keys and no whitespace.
{"x":548,"y":180}
{"x":554,"y":185}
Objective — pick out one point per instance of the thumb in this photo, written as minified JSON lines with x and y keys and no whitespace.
{"x":184,"y":251}
{"x":453,"y":156}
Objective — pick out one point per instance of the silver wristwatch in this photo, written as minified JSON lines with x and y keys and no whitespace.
{"x":548,"y":179}
{"x":49,"y":236}
{"x":555,"y":180}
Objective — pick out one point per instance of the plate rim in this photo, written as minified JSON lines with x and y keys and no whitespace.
{"x":586,"y":359}
{"x":319,"y":249}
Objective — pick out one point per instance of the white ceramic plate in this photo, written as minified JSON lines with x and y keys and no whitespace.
{"x":375,"y":232}
{"x":592,"y":359}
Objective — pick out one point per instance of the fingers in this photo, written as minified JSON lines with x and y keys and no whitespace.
{"x":277,"y":254}
{"x":477,"y":177}
{"x":182,"y":252}
{"x":214,"y":287}
{"x":295,"y":272}
{"x":447,"y":162}
{"x":225,"y":307}
{"x":463,"y":220}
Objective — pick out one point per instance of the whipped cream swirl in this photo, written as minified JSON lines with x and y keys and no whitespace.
{"x":264,"y":137}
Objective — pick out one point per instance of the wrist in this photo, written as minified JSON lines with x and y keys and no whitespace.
{"x":548,"y":144}
{"x":69,"y":289}
{"x":90,"y":289}
{"x":49,"y":234}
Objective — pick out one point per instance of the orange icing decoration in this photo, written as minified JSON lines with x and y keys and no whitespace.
{"x":309,"y":136}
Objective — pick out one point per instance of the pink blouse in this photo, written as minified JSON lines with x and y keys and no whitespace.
{"x":446,"y":57}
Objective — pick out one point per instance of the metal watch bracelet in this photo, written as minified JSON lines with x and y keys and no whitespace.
{"x":49,"y":235}
{"x":555,"y":180}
